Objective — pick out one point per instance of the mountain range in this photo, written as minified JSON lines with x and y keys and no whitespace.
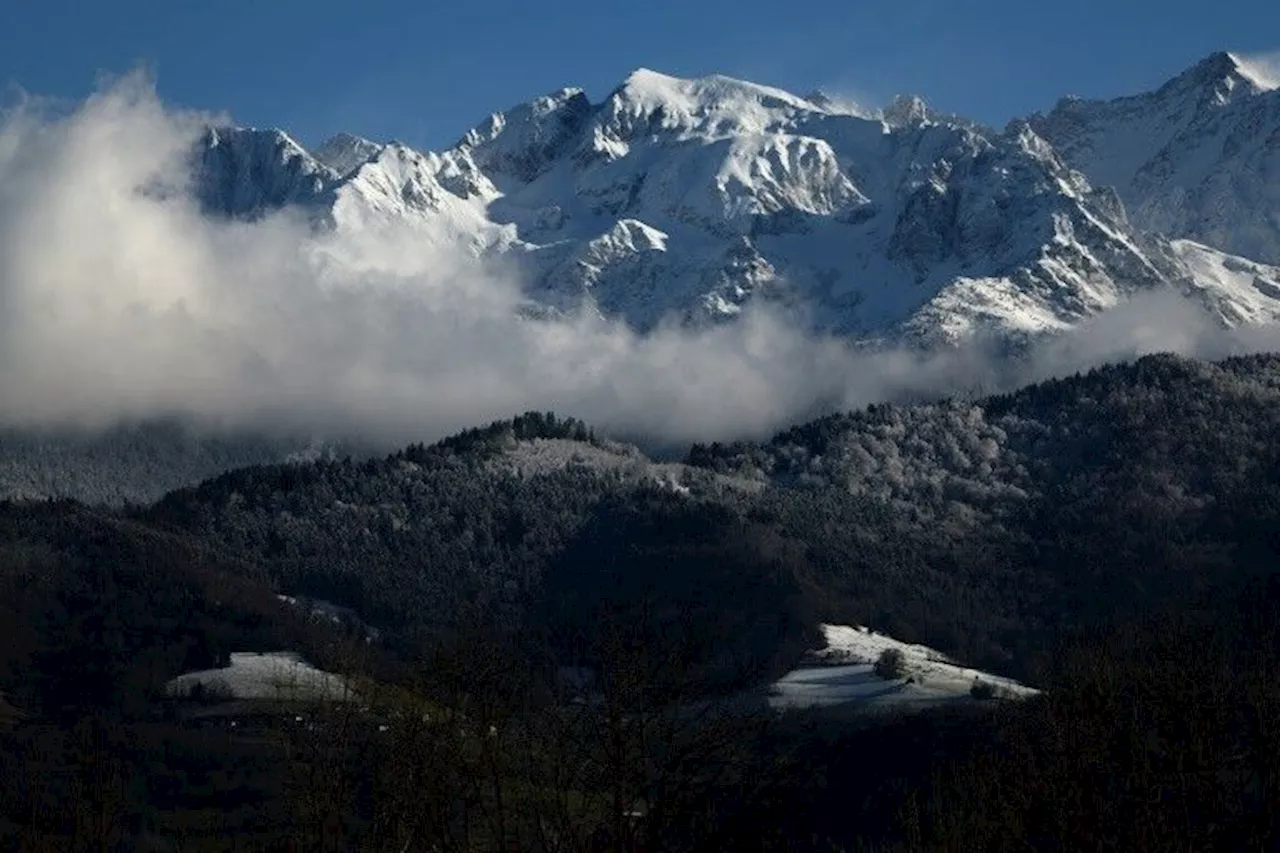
{"x":691,"y":200}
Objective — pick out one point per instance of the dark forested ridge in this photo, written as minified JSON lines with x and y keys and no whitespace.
{"x":1110,"y":537}
{"x":979,"y":527}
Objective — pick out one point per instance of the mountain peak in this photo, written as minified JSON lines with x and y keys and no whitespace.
{"x":645,"y":85}
{"x":567,"y":101}
{"x":838,"y":104}
{"x":713,"y":107}
{"x":1216,"y":65}
{"x":245,"y":171}
{"x":218,"y":135}
{"x":647,"y":76}
{"x":345,"y":139}
{"x":907,"y":111}
{"x":522,"y":141}
{"x":1178,"y":155}
{"x":1262,"y":74}
{"x":346,"y":151}
{"x":821,"y":99}
{"x":1223,"y":77}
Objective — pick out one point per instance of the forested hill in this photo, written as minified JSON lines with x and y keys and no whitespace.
{"x":1075,"y":499}
{"x":980,"y":528}
{"x":1206,"y":426}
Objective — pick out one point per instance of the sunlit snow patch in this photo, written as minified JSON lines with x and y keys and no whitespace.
{"x":846,"y":675}
{"x":282,"y":676}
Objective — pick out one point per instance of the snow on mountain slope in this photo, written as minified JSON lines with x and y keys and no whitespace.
{"x":693,"y":199}
{"x":1237,"y":290}
{"x":443,"y":197}
{"x":1199,"y":158}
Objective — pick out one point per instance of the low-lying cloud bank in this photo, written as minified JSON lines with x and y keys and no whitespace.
{"x":119,"y":300}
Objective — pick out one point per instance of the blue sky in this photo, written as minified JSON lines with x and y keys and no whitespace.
{"x":423,"y":72}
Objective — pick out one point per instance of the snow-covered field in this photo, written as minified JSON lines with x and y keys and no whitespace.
{"x":846,"y":674}
{"x":264,"y":675}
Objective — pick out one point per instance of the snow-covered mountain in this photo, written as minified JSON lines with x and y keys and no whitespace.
{"x":1197,"y":158}
{"x":693,"y":199}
